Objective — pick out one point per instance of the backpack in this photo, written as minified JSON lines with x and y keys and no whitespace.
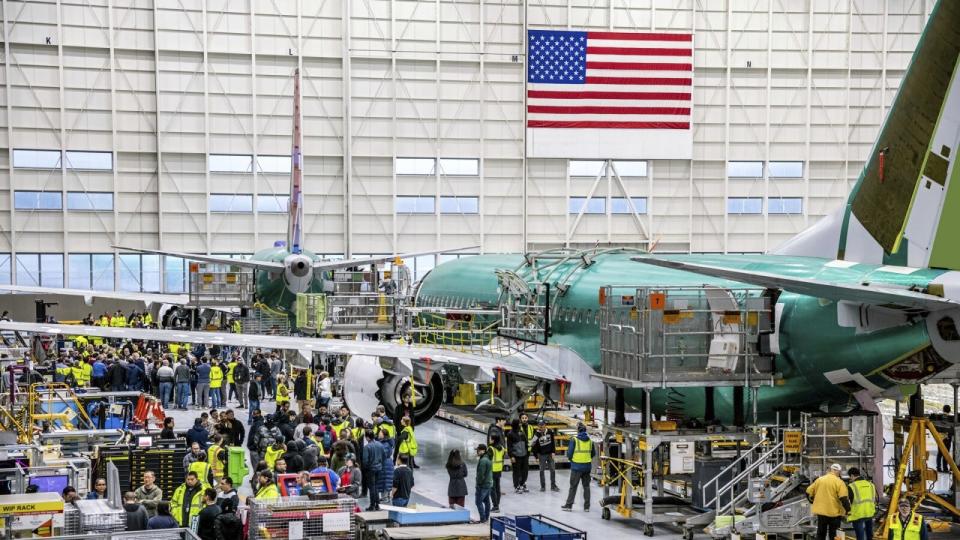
{"x":227,"y":526}
{"x":326,"y":439}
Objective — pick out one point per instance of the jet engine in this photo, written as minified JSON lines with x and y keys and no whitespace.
{"x":366,"y":384}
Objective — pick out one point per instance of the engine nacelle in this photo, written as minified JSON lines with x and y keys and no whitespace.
{"x":298,"y":272}
{"x":366,"y":385}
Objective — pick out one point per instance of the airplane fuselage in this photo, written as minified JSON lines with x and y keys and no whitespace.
{"x":824,"y":351}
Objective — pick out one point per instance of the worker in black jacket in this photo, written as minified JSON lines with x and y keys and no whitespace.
{"x":544,"y":446}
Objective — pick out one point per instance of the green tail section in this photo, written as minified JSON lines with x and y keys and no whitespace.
{"x":906,"y":200}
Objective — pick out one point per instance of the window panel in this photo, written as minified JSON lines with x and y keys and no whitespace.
{"x":784,"y":205}
{"x":744,"y":205}
{"x":79,"y":277}
{"x":630,"y":168}
{"x":174,"y":274}
{"x":5,"y":268}
{"x":459,"y":167}
{"x":90,"y":161}
{"x":596,"y":205}
{"x":619,"y":205}
{"x":37,"y":200}
{"x":745,"y":169}
{"x":272,"y":204}
{"x":28,"y":269}
{"x":785,"y":169}
{"x":231,"y":203}
{"x":40,"y":269}
{"x":101,"y":271}
{"x":415,"y":205}
{"x":419,"y":166}
{"x":422,"y":265}
{"x":592,"y":169}
{"x":130,"y":272}
{"x":36,"y":159}
{"x":90,"y":201}
{"x":150,"y":273}
{"x":274,"y":164}
{"x":233,"y":163}
{"x":459,"y":205}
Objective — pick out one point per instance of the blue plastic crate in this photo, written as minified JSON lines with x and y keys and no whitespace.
{"x":425,"y":516}
{"x":535,"y":527}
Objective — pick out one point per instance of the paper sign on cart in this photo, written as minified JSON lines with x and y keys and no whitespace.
{"x":296,"y":530}
{"x":335,"y":521}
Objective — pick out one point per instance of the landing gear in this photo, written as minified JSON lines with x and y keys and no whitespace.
{"x":648,"y":529}
{"x":605,"y":513}
{"x":688,"y":534}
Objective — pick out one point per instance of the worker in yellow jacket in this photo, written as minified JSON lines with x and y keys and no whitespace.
{"x":214,"y":457}
{"x":283,"y":393}
{"x":216,"y":384}
{"x":187,"y":500}
{"x":228,"y":388}
{"x":408,"y":442}
{"x":266,"y":488}
{"x":831,"y":501}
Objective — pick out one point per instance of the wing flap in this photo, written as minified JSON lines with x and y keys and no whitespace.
{"x":243,"y":263}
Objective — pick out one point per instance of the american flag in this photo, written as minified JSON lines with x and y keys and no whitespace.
{"x":631,"y":80}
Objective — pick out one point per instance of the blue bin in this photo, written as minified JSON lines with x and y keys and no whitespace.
{"x":535,"y":527}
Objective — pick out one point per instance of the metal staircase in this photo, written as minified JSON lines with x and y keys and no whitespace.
{"x":761,"y":476}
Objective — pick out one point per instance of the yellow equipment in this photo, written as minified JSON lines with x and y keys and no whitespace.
{"x":916,"y":481}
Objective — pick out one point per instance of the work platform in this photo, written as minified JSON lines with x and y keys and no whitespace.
{"x":655,"y":337}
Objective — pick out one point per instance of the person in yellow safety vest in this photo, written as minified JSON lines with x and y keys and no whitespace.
{"x":863,"y":504}
{"x":214,"y":456}
{"x":528,"y":429}
{"x":76,"y":371}
{"x":216,"y":382}
{"x":273,"y":453}
{"x":187,"y":500}
{"x":147,"y":319}
{"x":80,"y":343}
{"x":339,"y":426}
{"x":831,"y":501}
{"x":580,"y":452}
{"x":118,"y":320}
{"x":497,"y":454}
{"x":906,"y":524}
{"x":408,"y":442}
{"x":266,"y":489}
{"x":87,"y":370}
{"x":231,"y":365}
{"x":173,"y":347}
{"x":237,"y":327}
{"x":283,"y":393}
{"x":203,"y":470}
{"x":104,"y":320}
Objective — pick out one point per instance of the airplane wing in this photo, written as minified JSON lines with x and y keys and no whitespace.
{"x":407,"y":356}
{"x":346,"y":263}
{"x":89,"y":295}
{"x":878,"y":295}
{"x":244,"y":263}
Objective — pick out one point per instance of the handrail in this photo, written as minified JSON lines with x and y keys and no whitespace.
{"x":756,"y":464}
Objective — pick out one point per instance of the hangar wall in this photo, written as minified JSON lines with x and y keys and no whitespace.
{"x":165,"y":124}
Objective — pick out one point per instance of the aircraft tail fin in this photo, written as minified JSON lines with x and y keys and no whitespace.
{"x":905,"y":207}
{"x":295,"y":218}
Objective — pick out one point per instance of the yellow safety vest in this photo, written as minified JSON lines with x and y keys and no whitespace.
{"x":202,"y":468}
{"x":213,"y":458}
{"x":118,"y":322}
{"x":176,"y":504}
{"x":283,"y":394}
{"x":97,"y":341}
{"x":147,"y":319}
{"x":237,"y":327}
{"x":338,"y":427}
{"x":498,"y":458}
{"x":530,"y":432}
{"x":77,"y":373}
{"x":390,"y":429}
{"x":271,"y":456}
{"x":87,"y":371}
{"x":409,"y":445}
{"x":104,"y":321}
{"x":862,"y":506}
{"x":80,"y":342}
{"x":912,"y":532}
{"x":358,"y":433}
{"x":268,"y":491}
{"x":216,"y":377}
{"x":230,"y":367}
{"x":582,"y":451}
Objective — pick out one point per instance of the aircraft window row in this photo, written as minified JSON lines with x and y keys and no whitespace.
{"x":428,"y":166}
{"x":775,"y":169}
{"x":775,"y":205}
{"x":243,"y":163}
{"x":594,"y":168}
{"x":24,"y":158}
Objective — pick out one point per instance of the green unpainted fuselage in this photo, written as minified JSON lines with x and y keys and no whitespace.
{"x":811,"y":340}
{"x":271,"y":288}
